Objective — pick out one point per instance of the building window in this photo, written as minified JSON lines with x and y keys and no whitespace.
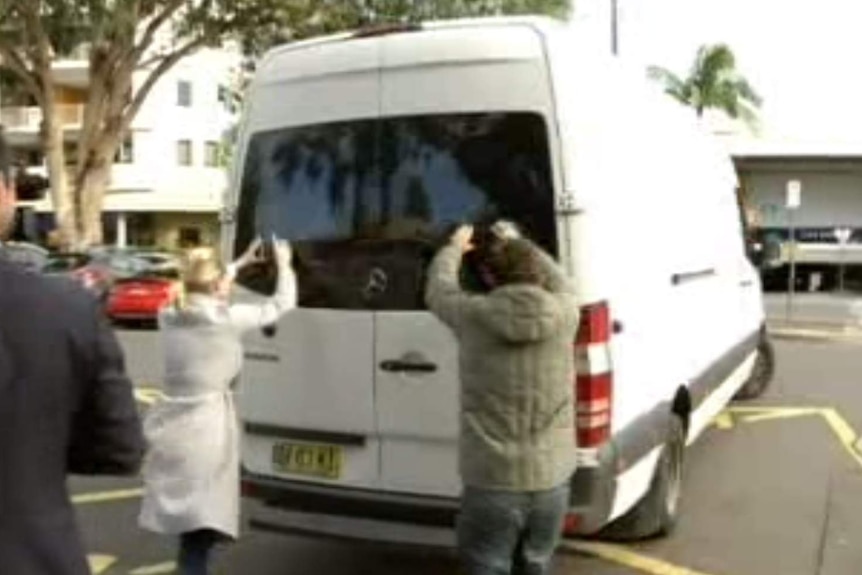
{"x":211,"y":154}
{"x":125,"y":153}
{"x":184,"y":94}
{"x":184,"y":153}
{"x":190,"y":238}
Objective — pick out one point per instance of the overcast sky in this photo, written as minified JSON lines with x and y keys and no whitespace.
{"x":803,"y":56}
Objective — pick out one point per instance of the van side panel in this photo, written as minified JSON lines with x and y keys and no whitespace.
{"x":653,"y":234}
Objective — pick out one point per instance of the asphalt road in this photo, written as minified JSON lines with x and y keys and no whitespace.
{"x":767,"y":492}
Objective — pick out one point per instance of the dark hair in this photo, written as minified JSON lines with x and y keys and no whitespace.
{"x":513,"y":262}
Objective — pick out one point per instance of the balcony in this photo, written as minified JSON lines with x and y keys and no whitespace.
{"x":124,"y":177}
{"x":29,"y":119}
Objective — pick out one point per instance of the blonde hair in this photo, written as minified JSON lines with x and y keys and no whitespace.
{"x":202,"y":269}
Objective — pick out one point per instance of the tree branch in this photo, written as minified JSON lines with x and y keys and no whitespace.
{"x":33,"y":22}
{"x":13,"y":60}
{"x":168,"y":62}
{"x":157,"y":22}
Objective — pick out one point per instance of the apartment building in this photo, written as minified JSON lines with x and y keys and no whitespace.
{"x":168,"y":179}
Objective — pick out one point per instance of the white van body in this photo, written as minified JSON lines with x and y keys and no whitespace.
{"x":639,"y":204}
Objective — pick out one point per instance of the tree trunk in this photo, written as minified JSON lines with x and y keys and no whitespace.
{"x":90,"y":187}
{"x":64,"y":211}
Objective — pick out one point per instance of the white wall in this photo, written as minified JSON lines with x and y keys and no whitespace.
{"x":162,"y":122}
{"x":831,"y":195}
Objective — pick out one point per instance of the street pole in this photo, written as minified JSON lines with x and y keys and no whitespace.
{"x":793,"y":201}
{"x":615,"y":40}
{"x":843,"y":236}
{"x":791,"y":287}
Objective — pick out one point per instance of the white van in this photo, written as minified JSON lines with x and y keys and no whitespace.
{"x":366,"y":150}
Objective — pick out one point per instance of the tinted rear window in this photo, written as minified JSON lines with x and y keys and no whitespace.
{"x":364,"y":197}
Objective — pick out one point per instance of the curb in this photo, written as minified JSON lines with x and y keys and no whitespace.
{"x":816,"y":334}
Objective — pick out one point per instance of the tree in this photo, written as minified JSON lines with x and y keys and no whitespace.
{"x":134,"y":43}
{"x":713,"y":82}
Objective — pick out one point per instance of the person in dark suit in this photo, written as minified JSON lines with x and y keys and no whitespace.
{"x":66,"y":406}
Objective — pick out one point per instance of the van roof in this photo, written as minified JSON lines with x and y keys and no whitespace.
{"x":543,"y":24}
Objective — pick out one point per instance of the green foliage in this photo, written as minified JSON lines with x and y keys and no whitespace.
{"x":713,"y":83}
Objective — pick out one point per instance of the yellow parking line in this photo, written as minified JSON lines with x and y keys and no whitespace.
{"x":106,"y":496}
{"x":845,"y":433}
{"x":841,"y":428}
{"x":723,"y":420}
{"x":147,"y":395}
{"x":628,"y":558}
{"x":100,"y":563}
{"x":754,"y":410}
{"x":159,"y":569}
{"x":780,"y":413}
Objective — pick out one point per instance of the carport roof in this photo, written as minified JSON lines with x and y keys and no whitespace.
{"x":819,"y":150}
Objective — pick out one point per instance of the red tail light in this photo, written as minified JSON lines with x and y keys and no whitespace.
{"x":595,"y":382}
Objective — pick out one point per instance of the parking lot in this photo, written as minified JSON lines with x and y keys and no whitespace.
{"x":774,"y":487}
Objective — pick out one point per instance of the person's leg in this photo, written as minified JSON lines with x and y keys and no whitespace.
{"x":489,"y":525}
{"x":195,"y":551}
{"x":544,"y":530}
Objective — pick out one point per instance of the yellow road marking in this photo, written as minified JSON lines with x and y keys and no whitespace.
{"x":841,"y":428}
{"x":159,"y":569}
{"x":780,"y":413}
{"x":628,"y":558}
{"x":147,"y":395}
{"x":844,"y":432}
{"x":105,"y":496}
{"x":723,"y":420}
{"x":100,"y":563}
{"x":754,"y":410}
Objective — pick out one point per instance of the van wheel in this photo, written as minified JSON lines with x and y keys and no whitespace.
{"x":656,"y":514}
{"x":761,"y":375}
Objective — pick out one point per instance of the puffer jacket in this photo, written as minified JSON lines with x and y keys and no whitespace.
{"x":517,"y":376}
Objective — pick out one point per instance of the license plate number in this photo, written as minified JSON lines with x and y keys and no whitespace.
{"x":324,"y":461}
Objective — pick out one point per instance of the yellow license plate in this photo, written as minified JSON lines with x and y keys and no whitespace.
{"x":324,"y":461}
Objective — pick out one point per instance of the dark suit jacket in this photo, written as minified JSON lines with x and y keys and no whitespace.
{"x":66,"y":406}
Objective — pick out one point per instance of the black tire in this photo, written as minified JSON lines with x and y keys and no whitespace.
{"x":656,"y":514}
{"x":762,"y":374}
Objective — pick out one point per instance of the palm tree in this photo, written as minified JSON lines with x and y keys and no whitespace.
{"x":713,"y":82}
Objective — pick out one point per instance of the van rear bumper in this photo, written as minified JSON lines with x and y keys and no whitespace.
{"x":337,"y":512}
{"x":348,"y":502}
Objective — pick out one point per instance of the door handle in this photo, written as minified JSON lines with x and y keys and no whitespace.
{"x":692,"y":276}
{"x":402,"y":366}
{"x":746,"y":283}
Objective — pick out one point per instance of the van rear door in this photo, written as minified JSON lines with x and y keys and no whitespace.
{"x":464,"y":137}
{"x":308,"y":397}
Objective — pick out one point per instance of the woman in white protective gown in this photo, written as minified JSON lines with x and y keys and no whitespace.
{"x":191,"y":473}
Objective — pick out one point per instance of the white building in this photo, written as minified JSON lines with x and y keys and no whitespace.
{"x":167,"y":182}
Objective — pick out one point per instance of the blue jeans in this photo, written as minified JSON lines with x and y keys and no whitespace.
{"x":502,"y":532}
{"x":196,"y":550}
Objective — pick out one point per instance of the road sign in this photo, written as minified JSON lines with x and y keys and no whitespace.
{"x":794,"y":194}
{"x":843,"y":235}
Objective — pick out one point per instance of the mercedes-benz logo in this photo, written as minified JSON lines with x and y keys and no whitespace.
{"x":378,"y":281}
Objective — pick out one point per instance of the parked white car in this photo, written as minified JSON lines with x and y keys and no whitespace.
{"x":365,"y":151}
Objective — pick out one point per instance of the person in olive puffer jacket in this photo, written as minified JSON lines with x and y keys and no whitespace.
{"x":517,"y":444}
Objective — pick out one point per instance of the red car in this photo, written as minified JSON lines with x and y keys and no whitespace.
{"x":141,"y":298}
